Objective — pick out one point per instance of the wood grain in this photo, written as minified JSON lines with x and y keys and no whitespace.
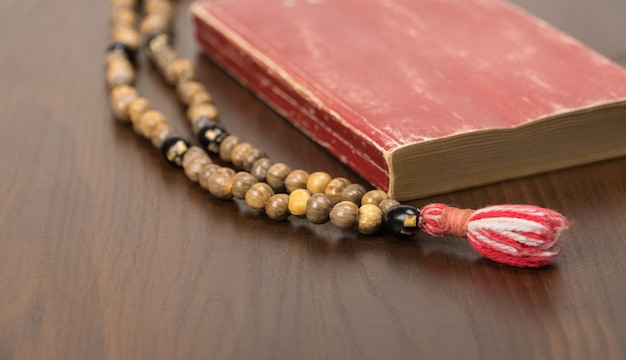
{"x":108,"y":253}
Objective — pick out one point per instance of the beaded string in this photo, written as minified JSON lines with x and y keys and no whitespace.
{"x":517,"y":235}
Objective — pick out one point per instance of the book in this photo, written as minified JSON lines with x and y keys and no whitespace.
{"x":422,"y":97}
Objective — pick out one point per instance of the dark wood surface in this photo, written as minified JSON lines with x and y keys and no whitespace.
{"x":107,"y":253}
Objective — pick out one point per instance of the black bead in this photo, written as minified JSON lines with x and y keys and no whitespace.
{"x":153,"y":41}
{"x":402,"y":220}
{"x":211,"y":136}
{"x":173,"y":150}
{"x":129,"y":53}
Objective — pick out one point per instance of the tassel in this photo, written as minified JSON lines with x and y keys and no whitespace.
{"x":517,"y":235}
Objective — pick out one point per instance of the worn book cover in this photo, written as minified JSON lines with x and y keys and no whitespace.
{"x":424,"y":96}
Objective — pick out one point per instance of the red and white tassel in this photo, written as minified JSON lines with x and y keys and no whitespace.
{"x":517,"y":235}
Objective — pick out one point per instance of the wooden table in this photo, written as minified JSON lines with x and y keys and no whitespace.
{"x":106,"y":252}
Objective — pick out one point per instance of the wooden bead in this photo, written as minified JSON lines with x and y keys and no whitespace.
{"x":154,"y":23}
{"x":238,"y":153}
{"x":205,"y":173}
{"x":194,"y":160}
{"x":120,"y":72}
{"x":353,"y":193}
{"x":297,"y":202}
{"x":200,"y":122}
{"x":276,"y":175}
{"x":250,"y":157}
{"x":370,"y":219}
{"x":318,"y":208}
{"x":277,"y":207}
{"x":202,"y":110}
{"x":187,"y":89}
{"x":242,"y":182}
{"x":194,"y":152}
{"x":344,"y":215}
{"x":201,"y":97}
{"x":125,"y":34}
{"x":123,"y":16}
{"x":335,"y":187}
{"x":387,"y":204}
{"x":125,"y":3}
{"x":317,"y":181}
{"x":120,"y":99}
{"x":179,"y":70}
{"x":137,"y":107}
{"x":260,"y":168}
{"x":157,"y":43}
{"x":158,"y":7}
{"x":112,"y":56}
{"x":258,"y":195}
{"x":148,"y":121}
{"x":221,"y":183}
{"x":227,"y":146}
{"x":159,"y":134}
{"x":373,"y":197}
{"x":163,"y":57}
{"x":296,"y":179}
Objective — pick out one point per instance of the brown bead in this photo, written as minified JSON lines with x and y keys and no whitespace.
{"x":164,"y":56}
{"x":238,"y":153}
{"x":277,"y":207}
{"x":120,"y":99}
{"x":250,"y":157}
{"x":335,"y":187}
{"x":221,"y":183}
{"x":125,"y":3}
{"x":276,"y":175}
{"x":296,"y":179}
{"x":353,"y":193}
{"x":205,"y":173}
{"x":297,"y":202}
{"x":317,"y":181}
{"x":112,"y":56}
{"x":154,"y":23}
{"x":194,"y":159}
{"x":125,"y":34}
{"x":318,"y":208}
{"x":201,"y":97}
{"x":202,"y":110}
{"x":258,"y":195}
{"x":242,"y":182}
{"x":120,"y":72}
{"x":157,"y":7}
{"x":187,"y":89}
{"x":344,"y":215}
{"x":374,"y":197}
{"x":159,"y":134}
{"x":137,"y":107}
{"x":370,"y":219}
{"x":123,"y":16}
{"x":227,"y":146}
{"x":388,"y":204}
{"x":179,"y":70}
{"x":148,"y":121}
{"x":193,"y":152}
{"x":260,"y":168}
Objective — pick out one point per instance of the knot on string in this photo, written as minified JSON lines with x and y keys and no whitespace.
{"x":517,"y":235}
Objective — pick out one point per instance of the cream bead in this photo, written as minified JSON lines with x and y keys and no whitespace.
{"x":297,"y":202}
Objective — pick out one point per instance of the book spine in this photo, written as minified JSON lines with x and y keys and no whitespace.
{"x":281,"y":93}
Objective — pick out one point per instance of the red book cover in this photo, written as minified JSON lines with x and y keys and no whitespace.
{"x":369,"y":79}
